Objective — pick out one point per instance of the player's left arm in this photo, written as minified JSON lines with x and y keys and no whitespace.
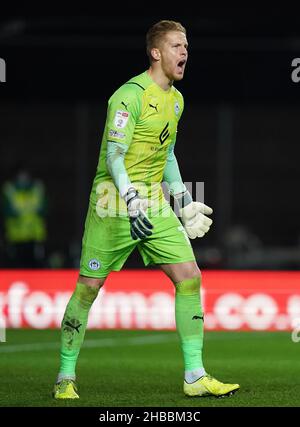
{"x":193,"y":214}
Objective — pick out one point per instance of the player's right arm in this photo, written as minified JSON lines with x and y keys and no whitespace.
{"x":124,"y":109}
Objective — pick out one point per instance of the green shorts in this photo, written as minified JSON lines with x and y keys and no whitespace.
{"x":107,"y":243}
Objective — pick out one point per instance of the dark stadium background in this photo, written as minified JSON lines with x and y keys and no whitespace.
{"x":239,"y":133}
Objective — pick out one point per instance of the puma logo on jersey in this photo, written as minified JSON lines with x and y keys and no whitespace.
{"x":125,"y":105}
{"x":154,"y":106}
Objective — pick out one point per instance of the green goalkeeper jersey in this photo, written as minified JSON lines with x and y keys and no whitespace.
{"x":144,"y":117}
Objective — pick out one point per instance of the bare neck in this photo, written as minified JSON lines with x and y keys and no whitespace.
{"x":159,"y":78}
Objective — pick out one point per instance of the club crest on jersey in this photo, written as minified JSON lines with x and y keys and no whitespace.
{"x":94,"y":264}
{"x":177,"y":108}
{"x":121,"y":119}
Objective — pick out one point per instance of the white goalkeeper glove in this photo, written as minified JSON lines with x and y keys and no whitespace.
{"x":193,"y":215}
{"x":140,"y":226}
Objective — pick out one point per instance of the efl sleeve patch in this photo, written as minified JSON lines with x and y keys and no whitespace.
{"x":121,"y":118}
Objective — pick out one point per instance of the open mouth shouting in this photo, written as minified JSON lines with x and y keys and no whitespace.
{"x":180,"y":66}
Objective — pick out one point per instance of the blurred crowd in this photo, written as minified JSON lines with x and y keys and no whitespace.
{"x":24,"y":221}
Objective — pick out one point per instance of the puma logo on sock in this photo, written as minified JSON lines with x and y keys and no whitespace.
{"x":76,"y":327}
{"x":197,"y":317}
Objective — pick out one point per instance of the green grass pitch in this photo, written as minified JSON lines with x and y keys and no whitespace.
{"x":123,"y":368}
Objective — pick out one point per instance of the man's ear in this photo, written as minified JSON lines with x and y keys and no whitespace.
{"x":155,"y":53}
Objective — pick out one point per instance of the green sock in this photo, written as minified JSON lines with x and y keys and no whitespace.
{"x":73,"y":327}
{"x":189,"y":322}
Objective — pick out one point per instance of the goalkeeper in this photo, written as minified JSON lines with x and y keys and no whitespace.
{"x":128,"y":209}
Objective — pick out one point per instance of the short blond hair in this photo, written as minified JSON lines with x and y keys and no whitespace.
{"x":158,"y":31}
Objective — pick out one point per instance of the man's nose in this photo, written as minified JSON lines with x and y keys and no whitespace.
{"x":184,"y":52}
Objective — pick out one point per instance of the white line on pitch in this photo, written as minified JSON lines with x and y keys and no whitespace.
{"x":94,"y":343}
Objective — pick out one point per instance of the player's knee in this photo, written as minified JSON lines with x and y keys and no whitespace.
{"x":85,"y":295}
{"x":87,"y":290}
{"x":189,"y":286}
{"x":190,"y":271}
{"x":193,"y":271}
{"x":182,"y":271}
{"x":92,"y":281}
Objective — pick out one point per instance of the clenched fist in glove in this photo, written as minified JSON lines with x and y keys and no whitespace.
{"x":194,"y":218}
{"x":140,"y":226}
